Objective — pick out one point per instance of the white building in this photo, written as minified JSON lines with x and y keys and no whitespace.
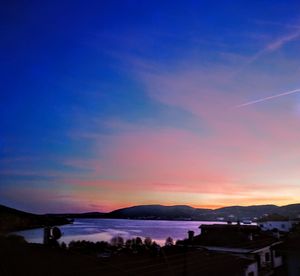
{"x":282,"y":226}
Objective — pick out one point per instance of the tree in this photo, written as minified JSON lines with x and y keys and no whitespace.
{"x":138,"y":241}
{"x":128,"y":244}
{"x":155,"y":248}
{"x":117,"y":241}
{"x":63,"y":245}
{"x":169,"y":241}
{"x":147,"y":241}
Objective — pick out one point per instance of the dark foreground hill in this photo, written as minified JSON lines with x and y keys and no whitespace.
{"x":12,"y":220}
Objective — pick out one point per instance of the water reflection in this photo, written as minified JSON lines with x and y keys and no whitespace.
{"x":104,"y":229}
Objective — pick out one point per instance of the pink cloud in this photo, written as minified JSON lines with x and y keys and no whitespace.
{"x":277,"y":44}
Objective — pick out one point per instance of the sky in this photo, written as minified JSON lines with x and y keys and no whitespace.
{"x":108,"y":104}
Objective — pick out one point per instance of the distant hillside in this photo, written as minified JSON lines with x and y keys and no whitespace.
{"x":247,"y":211}
{"x":292,"y":210}
{"x":13,"y":220}
{"x":183,"y":212}
{"x":159,"y":212}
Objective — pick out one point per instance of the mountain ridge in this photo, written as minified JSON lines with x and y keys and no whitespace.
{"x":11,"y":218}
{"x":224,"y":213}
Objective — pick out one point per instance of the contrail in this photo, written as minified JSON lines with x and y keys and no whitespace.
{"x":269,"y":98}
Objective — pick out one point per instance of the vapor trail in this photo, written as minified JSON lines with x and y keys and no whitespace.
{"x":269,"y":98}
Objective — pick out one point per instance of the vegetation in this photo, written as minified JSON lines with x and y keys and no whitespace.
{"x":169,"y":242}
{"x":12,"y":239}
{"x":117,"y":246}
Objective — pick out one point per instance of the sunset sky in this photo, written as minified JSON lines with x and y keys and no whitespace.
{"x":108,"y":104}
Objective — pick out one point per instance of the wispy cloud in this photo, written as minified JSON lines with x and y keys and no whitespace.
{"x":278,"y":43}
{"x":269,"y":98}
{"x":272,"y":46}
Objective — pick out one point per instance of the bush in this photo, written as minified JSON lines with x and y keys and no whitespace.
{"x":117,"y":241}
{"x":169,"y":241}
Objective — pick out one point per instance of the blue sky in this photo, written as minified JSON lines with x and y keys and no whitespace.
{"x":81,"y":81}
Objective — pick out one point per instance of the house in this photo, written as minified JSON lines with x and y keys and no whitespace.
{"x":276,"y":222}
{"x":247,"y":241}
{"x":280,"y":225}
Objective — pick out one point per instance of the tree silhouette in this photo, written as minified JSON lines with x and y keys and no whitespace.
{"x":169,"y":241}
{"x":147,"y":242}
{"x":117,"y":241}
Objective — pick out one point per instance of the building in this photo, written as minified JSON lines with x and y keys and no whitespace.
{"x":280,"y":225}
{"x":247,"y":241}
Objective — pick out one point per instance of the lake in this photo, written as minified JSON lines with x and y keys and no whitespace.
{"x":104,"y":229}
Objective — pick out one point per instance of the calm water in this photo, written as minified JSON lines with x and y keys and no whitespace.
{"x":104,"y":229}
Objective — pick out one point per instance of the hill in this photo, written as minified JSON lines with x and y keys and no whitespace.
{"x":13,"y":220}
{"x":183,"y":212}
{"x":159,"y":212}
{"x":247,"y":211}
{"x":291,"y":210}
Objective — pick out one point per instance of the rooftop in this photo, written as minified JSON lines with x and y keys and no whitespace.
{"x":183,"y":261}
{"x":230,"y":227}
{"x":233,"y":236}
